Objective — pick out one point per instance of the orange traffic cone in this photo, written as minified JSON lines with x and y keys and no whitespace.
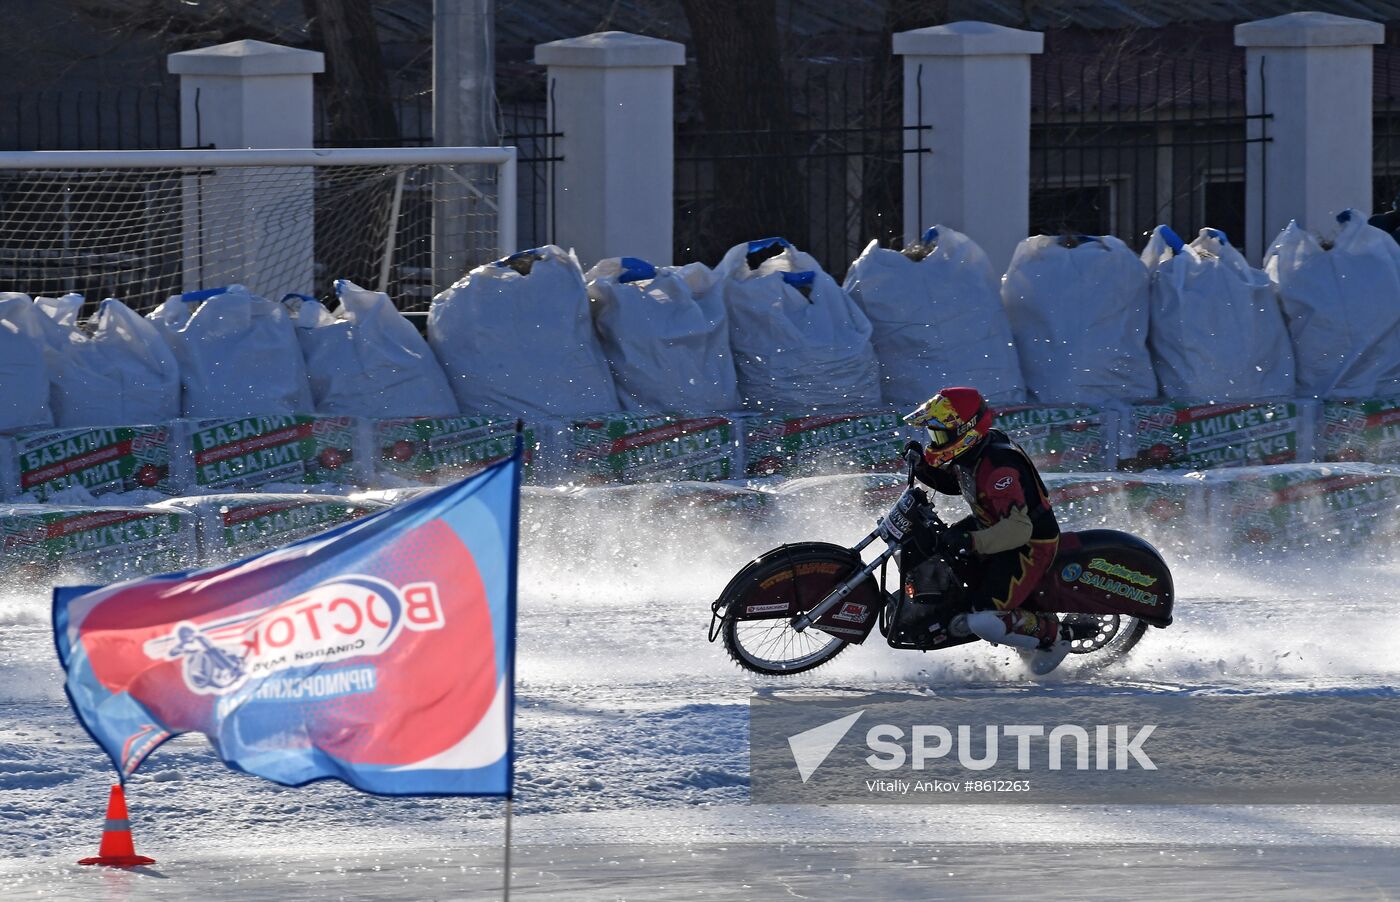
{"x":117,"y":850}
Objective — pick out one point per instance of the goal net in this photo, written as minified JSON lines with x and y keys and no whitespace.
{"x":143,"y":225}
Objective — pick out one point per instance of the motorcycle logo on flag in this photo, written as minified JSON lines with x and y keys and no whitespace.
{"x":208,"y":667}
{"x":349,"y":617}
{"x":379,"y":653}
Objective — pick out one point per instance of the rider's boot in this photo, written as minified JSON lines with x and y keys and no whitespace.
{"x":1038,"y":634}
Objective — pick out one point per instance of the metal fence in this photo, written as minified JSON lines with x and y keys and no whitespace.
{"x":1386,"y":124}
{"x":527,"y":127}
{"x":115,"y":119}
{"x":1122,"y":142}
{"x":833,"y":180}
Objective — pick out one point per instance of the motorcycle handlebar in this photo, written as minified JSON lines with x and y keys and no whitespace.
{"x":912,"y":453}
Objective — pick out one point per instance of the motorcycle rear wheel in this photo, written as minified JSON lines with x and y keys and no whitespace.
{"x":1116,"y":635}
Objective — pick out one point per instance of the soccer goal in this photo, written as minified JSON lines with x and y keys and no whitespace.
{"x":143,"y":225}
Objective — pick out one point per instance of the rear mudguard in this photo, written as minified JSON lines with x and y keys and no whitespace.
{"x":792,"y":579}
{"x":1104,"y":571}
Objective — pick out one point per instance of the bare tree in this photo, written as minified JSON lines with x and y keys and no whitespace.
{"x":358,"y":107}
{"x":884,"y":108}
{"x":743,"y":96}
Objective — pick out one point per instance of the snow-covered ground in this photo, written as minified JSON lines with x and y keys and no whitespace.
{"x":633,"y":762}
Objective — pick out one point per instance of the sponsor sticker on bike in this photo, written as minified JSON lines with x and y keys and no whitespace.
{"x":852,"y":612}
{"x":818,"y":568}
{"x":1115,"y":579}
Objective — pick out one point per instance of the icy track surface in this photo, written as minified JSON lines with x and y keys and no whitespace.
{"x":632,"y":774}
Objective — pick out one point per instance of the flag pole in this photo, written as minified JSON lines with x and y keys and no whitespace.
{"x":505,"y":895}
{"x":510,"y":796}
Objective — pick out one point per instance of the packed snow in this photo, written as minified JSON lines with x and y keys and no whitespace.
{"x":632,"y":768}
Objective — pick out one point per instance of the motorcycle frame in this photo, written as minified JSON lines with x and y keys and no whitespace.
{"x":843,"y":591}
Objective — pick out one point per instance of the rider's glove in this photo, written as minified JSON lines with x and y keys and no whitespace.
{"x":914,"y":448}
{"x":957,"y":541}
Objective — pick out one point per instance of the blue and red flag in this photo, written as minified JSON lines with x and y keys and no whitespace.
{"x":380,"y":653}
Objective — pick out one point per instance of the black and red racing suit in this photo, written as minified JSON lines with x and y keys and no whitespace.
{"x":1012,"y":527}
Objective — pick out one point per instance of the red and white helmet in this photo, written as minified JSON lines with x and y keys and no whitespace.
{"x":957,"y":420}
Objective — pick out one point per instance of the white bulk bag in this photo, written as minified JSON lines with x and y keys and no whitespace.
{"x":1217,"y":330}
{"x":1342,"y":301}
{"x":938,"y":319}
{"x":63,"y":310}
{"x":367,"y":360}
{"x":24,"y":369}
{"x":800,"y":343}
{"x":665,"y":334}
{"x":515,"y":338}
{"x":122,"y":374}
{"x":1079,"y":318}
{"x":238,"y":354}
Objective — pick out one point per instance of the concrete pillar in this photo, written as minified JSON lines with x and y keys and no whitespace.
{"x":240,"y":226}
{"x":970,"y":81}
{"x":611,"y":96}
{"x":1312,"y":73}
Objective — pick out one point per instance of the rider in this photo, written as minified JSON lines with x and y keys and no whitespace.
{"x":1010,"y":540}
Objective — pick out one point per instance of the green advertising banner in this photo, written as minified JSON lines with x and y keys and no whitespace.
{"x":110,"y":543}
{"x":827,"y":443}
{"x":1145,"y":501}
{"x":1305,"y":506}
{"x":247,"y":452}
{"x":1063,"y":439}
{"x":101,"y":460}
{"x":232,"y":526}
{"x":637,"y":448}
{"x":1366,"y":430}
{"x":1207,"y":436}
{"x":439,"y":450}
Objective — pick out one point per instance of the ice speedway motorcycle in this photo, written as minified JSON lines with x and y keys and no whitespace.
{"x":798,"y":606}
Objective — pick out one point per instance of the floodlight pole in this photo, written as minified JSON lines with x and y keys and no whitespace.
{"x":464,"y":115}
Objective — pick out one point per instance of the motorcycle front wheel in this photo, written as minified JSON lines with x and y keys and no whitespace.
{"x":774,"y":648}
{"x":771,"y":646}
